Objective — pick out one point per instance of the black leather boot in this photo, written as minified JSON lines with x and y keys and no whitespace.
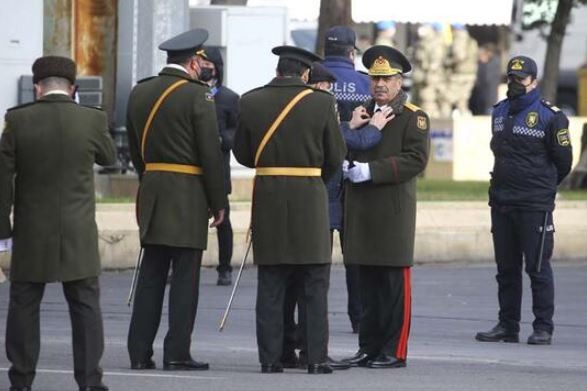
{"x":498,"y":334}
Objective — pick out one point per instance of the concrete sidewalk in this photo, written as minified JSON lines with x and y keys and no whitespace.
{"x":446,"y":232}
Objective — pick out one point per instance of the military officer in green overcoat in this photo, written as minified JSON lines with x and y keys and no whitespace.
{"x":289,"y":133}
{"x":47,"y":153}
{"x":380,"y":213}
{"x":174,"y":145}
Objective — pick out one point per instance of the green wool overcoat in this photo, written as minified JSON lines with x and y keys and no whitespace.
{"x":290,"y":214}
{"x":173,"y":208}
{"x":380,"y":215}
{"x":47,"y":154}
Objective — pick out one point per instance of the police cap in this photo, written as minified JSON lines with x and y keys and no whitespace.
{"x":342,"y":36}
{"x":212,"y":54}
{"x":522,"y":66}
{"x":320,"y":73}
{"x":383,"y":60}
{"x":185,"y":44}
{"x":294,"y":53}
{"x":54,"y":66}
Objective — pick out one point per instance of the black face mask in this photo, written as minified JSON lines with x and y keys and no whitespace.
{"x":515,"y":90}
{"x":206,"y":74}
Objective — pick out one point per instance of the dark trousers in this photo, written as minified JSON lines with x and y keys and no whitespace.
{"x":23,"y":338}
{"x":183,"y":302}
{"x":224,"y":234}
{"x":387,"y":302}
{"x":312,"y":282}
{"x":293,"y":337}
{"x":516,"y":238}
{"x":352,"y":285}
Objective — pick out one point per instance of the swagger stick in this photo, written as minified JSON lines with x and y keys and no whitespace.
{"x":135,"y":276}
{"x":235,"y":286}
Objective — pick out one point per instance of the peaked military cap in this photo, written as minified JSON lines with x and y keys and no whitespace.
{"x":522,"y":66}
{"x":54,"y":66}
{"x":296,"y":53}
{"x":185,"y":44}
{"x":320,"y":73}
{"x":382,"y":60}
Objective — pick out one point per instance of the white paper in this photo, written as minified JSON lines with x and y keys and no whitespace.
{"x":5,"y":245}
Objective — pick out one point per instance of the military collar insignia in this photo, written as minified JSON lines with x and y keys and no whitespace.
{"x":532,"y":119}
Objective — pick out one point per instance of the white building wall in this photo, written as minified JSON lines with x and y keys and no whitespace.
{"x":21,"y":42}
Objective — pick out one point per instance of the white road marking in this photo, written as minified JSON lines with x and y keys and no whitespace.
{"x":128,"y":374}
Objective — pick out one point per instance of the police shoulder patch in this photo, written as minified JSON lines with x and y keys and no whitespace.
{"x":563,"y":137}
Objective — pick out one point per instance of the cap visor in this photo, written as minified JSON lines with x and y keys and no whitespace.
{"x":518,"y":74}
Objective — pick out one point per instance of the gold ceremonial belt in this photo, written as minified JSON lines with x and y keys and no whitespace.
{"x":288,"y":171}
{"x":171,"y":167}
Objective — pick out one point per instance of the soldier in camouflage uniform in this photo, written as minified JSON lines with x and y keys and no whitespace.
{"x":461,"y":70}
{"x":428,"y":76}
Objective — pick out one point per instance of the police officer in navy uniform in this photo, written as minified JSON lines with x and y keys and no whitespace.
{"x":47,"y":155}
{"x":174,"y":145}
{"x":226,"y":101}
{"x":351,"y":89}
{"x":532,"y":150}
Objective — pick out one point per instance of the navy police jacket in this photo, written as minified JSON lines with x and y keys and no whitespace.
{"x":532,"y":148}
{"x":350,"y":89}
{"x":226,"y":101}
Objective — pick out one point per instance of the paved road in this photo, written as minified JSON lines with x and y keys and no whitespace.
{"x":450,"y":303}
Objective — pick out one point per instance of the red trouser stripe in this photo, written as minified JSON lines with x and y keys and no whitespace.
{"x":402,"y":346}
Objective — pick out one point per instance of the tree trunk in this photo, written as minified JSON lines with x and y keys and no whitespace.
{"x":553,"y":49}
{"x":332,"y":13}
